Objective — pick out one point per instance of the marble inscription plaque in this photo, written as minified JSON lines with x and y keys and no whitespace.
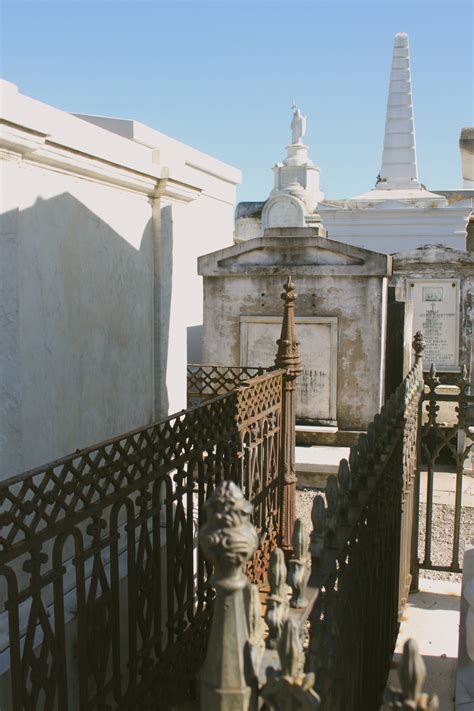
{"x":436,"y":313}
{"x":317,"y":386}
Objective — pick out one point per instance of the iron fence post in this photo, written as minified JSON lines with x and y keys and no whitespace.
{"x":235,"y":648}
{"x":288,"y":358}
{"x":419,"y":345}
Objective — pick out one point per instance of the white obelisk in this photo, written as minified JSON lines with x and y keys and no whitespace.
{"x":399,"y":169}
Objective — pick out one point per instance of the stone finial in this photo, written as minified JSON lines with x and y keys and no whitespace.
{"x":299,"y":566}
{"x":399,"y":165}
{"x":290,"y":688}
{"x":412,"y":673}
{"x":288,"y":356}
{"x":277,"y":601}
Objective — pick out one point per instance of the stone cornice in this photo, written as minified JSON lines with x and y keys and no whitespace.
{"x":17,"y":142}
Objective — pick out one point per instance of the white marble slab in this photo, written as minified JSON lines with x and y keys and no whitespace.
{"x":436,"y":313}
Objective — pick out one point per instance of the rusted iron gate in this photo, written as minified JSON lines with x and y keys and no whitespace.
{"x":446,"y":440}
{"x":359,"y":567}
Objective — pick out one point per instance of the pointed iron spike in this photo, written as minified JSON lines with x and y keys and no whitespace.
{"x":433,"y":371}
{"x":332,"y":493}
{"x":318,"y":514}
{"x":299,"y":539}
{"x":363,"y":445}
{"x":277,"y":572}
{"x":290,"y":649}
{"x":344,"y":475}
{"x":412,"y":671}
{"x":255,"y":612}
{"x":354,"y":458}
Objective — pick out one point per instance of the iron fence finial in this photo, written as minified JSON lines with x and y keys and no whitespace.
{"x":288,"y":356}
{"x":419,"y":345}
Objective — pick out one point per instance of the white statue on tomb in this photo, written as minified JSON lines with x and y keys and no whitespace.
{"x":298,"y":125}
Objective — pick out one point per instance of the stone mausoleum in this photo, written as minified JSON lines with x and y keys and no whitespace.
{"x":341,"y":318}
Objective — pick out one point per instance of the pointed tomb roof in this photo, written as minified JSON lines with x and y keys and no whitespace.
{"x":398,"y":177}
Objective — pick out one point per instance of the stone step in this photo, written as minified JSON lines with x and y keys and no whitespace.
{"x":314,"y":464}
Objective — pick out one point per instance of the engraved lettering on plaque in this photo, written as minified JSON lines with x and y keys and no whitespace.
{"x":317,"y":385}
{"x":436,"y":313}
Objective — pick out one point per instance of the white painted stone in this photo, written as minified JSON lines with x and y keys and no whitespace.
{"x":317,"y":386}
{"x":398,"y":214}
{"x":466,"y":145}
{"x":101,"y":224}
{"x":296,"y":190}
{"x":399,"y":169}
{"x":436,"y":314}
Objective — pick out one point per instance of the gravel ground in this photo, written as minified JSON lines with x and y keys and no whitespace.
{"x":304,"y":502}
{"x":442,"y":538}
{"x":443,"y":521}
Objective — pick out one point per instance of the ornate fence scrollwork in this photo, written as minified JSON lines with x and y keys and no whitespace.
{"x":205,"y":382}
{"x":98,"y":550}
{"x":447,"y":433}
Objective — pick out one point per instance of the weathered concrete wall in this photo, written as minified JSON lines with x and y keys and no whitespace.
{"x":328,"y":288}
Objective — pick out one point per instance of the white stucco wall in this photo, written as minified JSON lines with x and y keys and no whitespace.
{"x":81,"y":257}
{"x":395,"y":228}
{"x":99,"y":294}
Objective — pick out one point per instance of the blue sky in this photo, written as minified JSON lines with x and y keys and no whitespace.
{"x":222,"y":76}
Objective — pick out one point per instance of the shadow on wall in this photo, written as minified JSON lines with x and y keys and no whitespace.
{"x":77,"y":330}
{"x":194,"y":344}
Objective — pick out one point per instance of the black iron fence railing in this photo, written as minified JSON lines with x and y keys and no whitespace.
{"x":105,"y":598}
{"x":447,"y":452}
{"x":100,"y":547}
{"x":358,"y":563}
{"x":362,"y":558}
{"x":208,"y":381}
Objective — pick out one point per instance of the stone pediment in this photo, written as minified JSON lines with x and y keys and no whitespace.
{"x":299,"y":251}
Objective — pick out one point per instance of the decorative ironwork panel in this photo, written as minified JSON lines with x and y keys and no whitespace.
{"x":208,"y":381}
{"x":259,"y":415}
{"x":446,"y":445}
{"x":104,"y":591}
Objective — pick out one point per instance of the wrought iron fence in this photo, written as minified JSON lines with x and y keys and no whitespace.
{"x":207,"y":381}
{"x":101,"y":545}
{"x":362,"y":552}
{"x":105,"y":595}
{"x":354,"y":560}
{"x":447,"y":434}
